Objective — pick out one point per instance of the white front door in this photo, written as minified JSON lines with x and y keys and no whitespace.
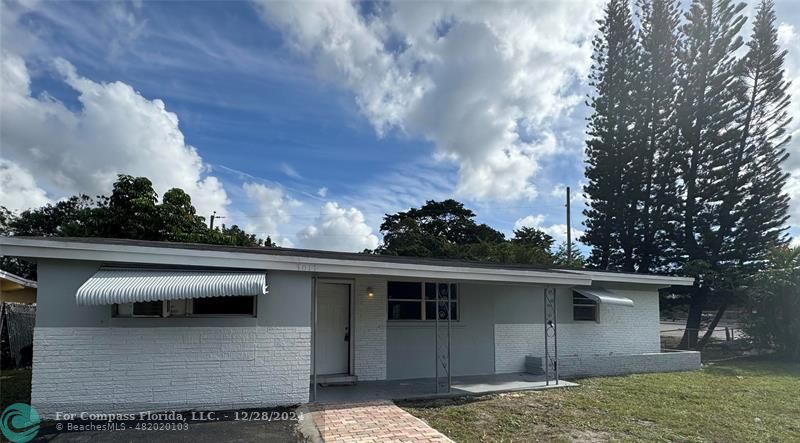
{"x":332,"y":347}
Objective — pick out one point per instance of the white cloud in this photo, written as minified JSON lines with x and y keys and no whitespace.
{"x":322,"y":192}
{"x":18,"y":189}
{"x":272,"y":210}
{"x":483,"y":81}
{"x":289,"y":170}
{"x":558,"y":230}
{"x":789,"y":39}
{"x":115,"y":131}
{"x":338,"y":229}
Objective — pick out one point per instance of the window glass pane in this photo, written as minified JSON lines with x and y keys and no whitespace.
{"x":405,"y":310}
{"x":404,"y":290}
{"x":242,"y":305}
{"x":430,"y":291}
{"x":453,"y":291}
{"x":584,"y":312}
{"x":124,"y":310}
{"x":444,"y":290}
{"x":581,"y":300}
{"x":430,"y":310}
{"x":151,"y":308}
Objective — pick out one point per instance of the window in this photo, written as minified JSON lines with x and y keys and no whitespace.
{"x":583,"y":308}
{"x":208,"y":306}
{"x":408,"y":302}
{"x":244,"y":305}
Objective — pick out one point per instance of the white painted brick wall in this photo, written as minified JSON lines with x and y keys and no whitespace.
{"x":139,"y":369}
{"x":594,"y":365}
{"x":369,"y":327}
{"x":620,"y":330}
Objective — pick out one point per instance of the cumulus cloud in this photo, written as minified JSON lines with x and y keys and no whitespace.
{"x":116,"y":130}
{"x":481,"y":80}
{"x":322,"y":192}
{"x":338,"y":229}
{"x":18,"y":189}
{"x":272,"y":210}
{"x":557,"y":230}
{"x":788,"y":38}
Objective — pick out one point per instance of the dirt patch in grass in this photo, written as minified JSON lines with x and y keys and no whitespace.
{"x":739,"y":400}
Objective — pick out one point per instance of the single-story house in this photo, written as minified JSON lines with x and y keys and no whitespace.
{"x":16,"y":289}
{"x":137,"y":325}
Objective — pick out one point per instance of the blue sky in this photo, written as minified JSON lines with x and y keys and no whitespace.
{"x":306,"y":121}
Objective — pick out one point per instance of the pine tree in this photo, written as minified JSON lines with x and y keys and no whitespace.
{"x":710,"y":105}
{"x":655,"y":153}
{"x":610,"y":137}
{"x":763,"y":208}
{"x":754,"y":209}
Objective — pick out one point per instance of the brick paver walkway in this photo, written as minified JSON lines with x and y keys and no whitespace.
{"x":372,"y":422}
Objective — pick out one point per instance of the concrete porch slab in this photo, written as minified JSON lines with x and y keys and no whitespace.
{"x":426,"y":388}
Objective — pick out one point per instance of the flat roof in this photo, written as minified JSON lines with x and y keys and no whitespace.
{"x":304,"y":260}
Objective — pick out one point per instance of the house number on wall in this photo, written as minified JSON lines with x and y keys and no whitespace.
{"x":306,"y":267}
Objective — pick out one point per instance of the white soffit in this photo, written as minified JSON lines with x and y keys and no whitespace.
{"x":601,"y":295}
{"x":111,"y":286}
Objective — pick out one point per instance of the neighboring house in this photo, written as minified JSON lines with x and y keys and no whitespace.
{"x":14,"y":288}
{"x":136,"y":325}
{"x":17,"y":317}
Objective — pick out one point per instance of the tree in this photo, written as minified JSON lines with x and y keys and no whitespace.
{"x":773,"y":315}
{"x":447,"y":229}
{"x":609,"y":217}
{"x":574,"y":259}
{"x":131,"y":212}
{"x":655,"y":156}
{"x":733,"y":118}
{"x":437,"y":229}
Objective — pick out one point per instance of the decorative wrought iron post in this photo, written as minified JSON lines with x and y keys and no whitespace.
{"x":443,"y":304}
{"x":550,"y":362}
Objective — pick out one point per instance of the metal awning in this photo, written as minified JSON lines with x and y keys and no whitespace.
{"x":602,"y":295}
{"x":110,"y":286}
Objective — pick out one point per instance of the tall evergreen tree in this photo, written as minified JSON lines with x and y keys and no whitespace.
{"x":608,"y":152}
{"x":710,"y":105}
{"x":763,"y":208}
{"x":753,"y":212}
{"x":655,"y":153}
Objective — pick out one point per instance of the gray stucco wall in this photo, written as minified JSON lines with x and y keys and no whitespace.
{"x":287,"y":304}
{"x":410,"y":344}
{"x":501,"y":324}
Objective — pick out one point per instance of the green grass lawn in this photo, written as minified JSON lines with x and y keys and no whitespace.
{"x":737,"y":400}
{"x":15,"y":387}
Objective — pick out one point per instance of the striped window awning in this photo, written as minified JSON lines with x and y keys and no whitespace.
{"x":112,"y":286}
{"x":602,"y":295}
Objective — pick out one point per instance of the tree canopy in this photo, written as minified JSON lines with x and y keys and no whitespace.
{"x":132,"y":211}
{"x":447,"y":229}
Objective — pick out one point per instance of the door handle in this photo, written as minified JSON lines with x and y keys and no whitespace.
{"x":347,"y":336}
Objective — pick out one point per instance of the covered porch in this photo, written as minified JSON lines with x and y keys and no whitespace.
{"x":420,"y":388}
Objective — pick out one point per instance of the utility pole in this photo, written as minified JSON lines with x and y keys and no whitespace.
{"x":569,"y":232}
{"x":213,"y":217}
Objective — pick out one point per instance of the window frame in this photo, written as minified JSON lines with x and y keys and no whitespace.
{"x":424,"y":301}
{"x":588,"y":303}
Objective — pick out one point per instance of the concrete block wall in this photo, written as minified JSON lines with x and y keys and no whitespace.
{"x":594,"y":365}
{"x":619,"y":330}
{"x":369,"y":324}
{"x":169,"y":368}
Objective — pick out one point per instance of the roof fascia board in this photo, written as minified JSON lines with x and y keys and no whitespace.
{"x":228,"y":259}
{"x":645,"y":279}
